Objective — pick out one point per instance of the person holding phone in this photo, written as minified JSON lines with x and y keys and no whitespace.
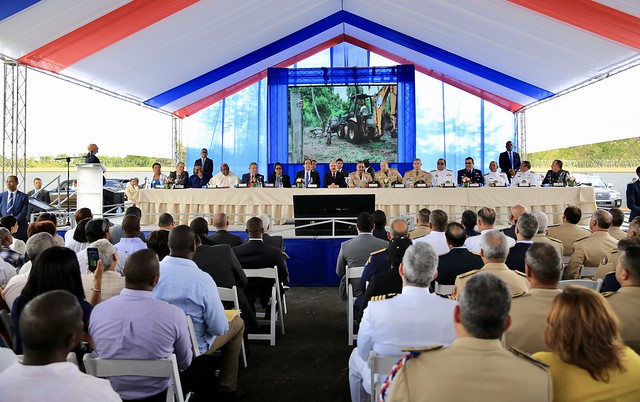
{"x":111,"y":282}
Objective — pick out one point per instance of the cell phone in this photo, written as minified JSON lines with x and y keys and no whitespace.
{"x":92,"y":257}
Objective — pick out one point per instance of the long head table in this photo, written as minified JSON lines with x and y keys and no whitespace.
{"x":184,"y":204}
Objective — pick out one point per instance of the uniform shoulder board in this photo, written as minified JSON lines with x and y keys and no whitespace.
{"x":607,"y":294}
{"x":610,"y":273}
{"x":423,"y":349}
{"x":614,"y":251}
{"x":580,"y":239}
{"x":476,"y":253}
{"x":553,"y":226}
{"x":467,"y":274}
{"x":528,"y":357}
{"x":379,"y":251}
{"x":432,"y":171}
{"x":383,"y":297}
{"x":449,"y":296}
{"x":520,"y":273}
{"x":554,"y":239}
{"x":525,"y":294}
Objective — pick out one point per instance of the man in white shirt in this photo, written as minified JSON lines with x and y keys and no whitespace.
{"x":130,"y":243}
{"x":486,"y":221}
{"x":394,"y":322}
{"x":438,"y":220}
{"x":225,"y":178}
{"x":525,"y":176}
{"x":441,"y":175}
{"x":494,"y":176}
{"x":51,"y":327}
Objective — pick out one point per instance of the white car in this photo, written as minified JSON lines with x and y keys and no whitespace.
{"x":606,"y":196}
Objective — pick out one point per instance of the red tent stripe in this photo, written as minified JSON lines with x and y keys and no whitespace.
{"x":488,"y":96}
{"x":215,"y":97}
{"x":101,"y":33}
{"x":590,"y":16}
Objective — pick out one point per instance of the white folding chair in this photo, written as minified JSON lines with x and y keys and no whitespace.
{"x":379,"y":365}
{"x":587,"y":283}
{"x":192,"y":336}
{"x":351,"y":273}
{"x":269,"y":273}
{"x":588,"y":272}
{"x":231,"y":295}
{"x":444,"y":289}
{"x":167,"y":368}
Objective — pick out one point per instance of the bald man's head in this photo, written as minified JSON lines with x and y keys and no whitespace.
{"x":142,"y":269}
{"x":51,"y":324}
{"x":516,"y":211}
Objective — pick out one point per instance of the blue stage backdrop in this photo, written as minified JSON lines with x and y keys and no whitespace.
{"x":279,"y":80}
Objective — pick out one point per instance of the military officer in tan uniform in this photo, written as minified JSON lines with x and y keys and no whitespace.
{"x":543,"y":269}
{"x":610,"y":260}
{"x":417,"y":175}
{"x":422,"y":224}
{"x":494,"y":249}
{"x":386,"y":173}
{"x":475,"y":367}
{"x":441,"y":176}
{"x":541,"y":235}
{"x":590,"y":250}
{"x":568,"y":231}
{"x":359,"y":178}
{"x":617,"y":220}
{"x":626,"y":301}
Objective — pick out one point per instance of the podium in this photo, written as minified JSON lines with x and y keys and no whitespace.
{"x":90,"y":187}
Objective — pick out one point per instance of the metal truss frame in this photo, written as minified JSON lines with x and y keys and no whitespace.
{"x":177,"y":148}
{"x":14,"y":119}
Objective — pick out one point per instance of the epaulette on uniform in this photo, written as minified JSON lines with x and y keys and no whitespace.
{"x":554,"y":239}
{"x":379,"y":251}
{"x":520,"y":273}
{"x":423,"y":349}
{"x":476,"y":253}
{"x":528,"y":357}
{"x":607,"y":294}
{"x":383,"y":297}
{"x":580,"y":239}
{"x":521,"y":294}
{"x":450,"y":297}
{"x":467,"y":274}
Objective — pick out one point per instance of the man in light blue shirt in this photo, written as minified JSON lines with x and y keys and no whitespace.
{"x":185,"y":285}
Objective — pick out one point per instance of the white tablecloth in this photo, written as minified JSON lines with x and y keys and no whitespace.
{"x":184,"y":204}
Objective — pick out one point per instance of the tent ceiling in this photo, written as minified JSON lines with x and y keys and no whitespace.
{"x":182,"y":55}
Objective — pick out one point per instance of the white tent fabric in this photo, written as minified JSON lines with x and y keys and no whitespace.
{"x":184,"y":52}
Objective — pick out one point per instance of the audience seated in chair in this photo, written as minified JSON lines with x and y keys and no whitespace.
{"x":526,"y":228}
{"x":459,"y":259}
{"x":543,"y":268}
{"x":475,"y":367}
{"x":422,"y":224}
{"x":221,"y":235}
{"x":397,"y":321}
{"x":135,"y":325}
{"x":117,"y":232}
{"x":185,"y":285}
{"x":51,"y":327}
{"x":112,"y":281}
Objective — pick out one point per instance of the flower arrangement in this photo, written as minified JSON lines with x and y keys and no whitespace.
{"x":168,"y":183}
{"x":466,"y":181}
{"x":571,"y":181}
{"x":299,"y":182}
{"x":386,"y":182}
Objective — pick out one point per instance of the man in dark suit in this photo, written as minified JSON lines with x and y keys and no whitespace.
{"x":509,"y":161}
{"x":221,"y":263}
{"x":355,"y":252}
{"x":514,"y":214}
{"x":222,"y":236}
{"x":469,"y":172}
{"x":459,"y":259}
{"x":339,"y":164}
{"x":15,"y":202}
{"x":309,"y":175}
{"x":275,"y":241}
{"x":255,"y":253}
{"x":38,"y":192}
{"x":91,"y":156}
{"x":253,"y":176}
{"x":205,"y":163}
{"x":633,"y":196}
{"x":201,"y":228}
{"x":526,"y":228}
{"x":333,"y":178}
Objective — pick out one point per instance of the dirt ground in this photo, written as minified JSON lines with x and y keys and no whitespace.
{"x":316,"y":147}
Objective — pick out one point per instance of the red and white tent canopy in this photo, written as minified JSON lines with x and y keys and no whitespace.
{"x":182,"y":55}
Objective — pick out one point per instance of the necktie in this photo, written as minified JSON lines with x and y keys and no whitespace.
{"x":334,"y":176}
{"x":10,"y":204}
{"x":511,"y":159}
{"x":306,"y":179}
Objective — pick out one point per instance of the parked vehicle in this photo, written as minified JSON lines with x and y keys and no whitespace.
{"x":606,"y":196}
{"x":114,"y":184}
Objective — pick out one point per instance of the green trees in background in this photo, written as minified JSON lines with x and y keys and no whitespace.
{"x":111,"y":161}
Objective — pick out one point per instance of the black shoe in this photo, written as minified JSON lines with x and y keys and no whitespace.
{"x":232,"y":396}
